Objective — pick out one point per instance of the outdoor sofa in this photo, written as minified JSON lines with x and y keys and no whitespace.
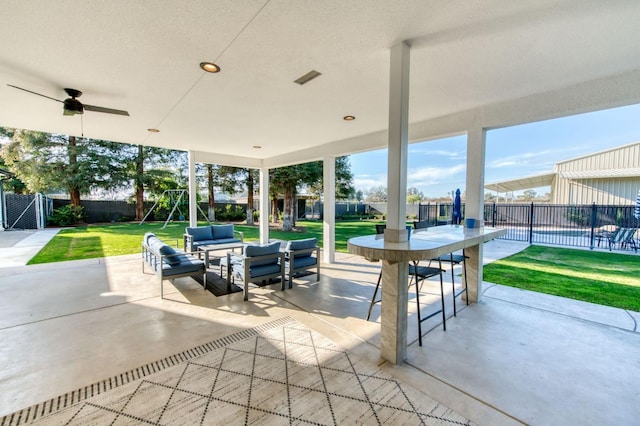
{"x":197,"y":236}
{"x":168,"y":263}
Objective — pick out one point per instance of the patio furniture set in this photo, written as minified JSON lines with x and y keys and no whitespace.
{"x":252,"y":264}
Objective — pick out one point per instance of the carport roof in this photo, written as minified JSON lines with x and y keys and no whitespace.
{"x":522,"y":183}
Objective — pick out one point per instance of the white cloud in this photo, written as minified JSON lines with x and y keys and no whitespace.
{"x":366,"y":182}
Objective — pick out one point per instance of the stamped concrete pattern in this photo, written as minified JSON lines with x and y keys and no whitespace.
{"x":279,"y":373}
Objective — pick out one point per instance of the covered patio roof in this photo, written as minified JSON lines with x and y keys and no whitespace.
{"x":484,"y":63}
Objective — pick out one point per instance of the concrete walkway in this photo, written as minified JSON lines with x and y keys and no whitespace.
{"x":18,"y":247}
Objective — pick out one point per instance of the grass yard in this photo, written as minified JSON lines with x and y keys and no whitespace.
{"x":598,"y":277}
{"x":93,"y":241}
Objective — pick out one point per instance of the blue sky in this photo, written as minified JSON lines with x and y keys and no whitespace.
{"x":438,"y":167}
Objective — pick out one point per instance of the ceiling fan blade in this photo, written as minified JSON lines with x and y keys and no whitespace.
{"x":35,"y":93}
{"x":105,"y":110}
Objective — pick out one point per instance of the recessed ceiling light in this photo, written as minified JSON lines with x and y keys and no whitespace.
{"x":348,"y":118}
{"x":209,"y":67}
{"x":257,"y":147}
{"x":153,"y":130}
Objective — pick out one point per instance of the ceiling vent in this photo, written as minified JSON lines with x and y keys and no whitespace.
{"x":307,"y":77}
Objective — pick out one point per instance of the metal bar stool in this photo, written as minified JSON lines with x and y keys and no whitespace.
{"x":422,"y":273}
{"x":454,"y":260}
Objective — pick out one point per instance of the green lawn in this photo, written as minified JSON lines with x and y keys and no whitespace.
{"x":86,"y":242}
{"x":598,"y":277}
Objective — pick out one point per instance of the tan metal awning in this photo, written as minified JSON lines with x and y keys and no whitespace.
{"x":600,"y":174}
{"x":522,"y":183}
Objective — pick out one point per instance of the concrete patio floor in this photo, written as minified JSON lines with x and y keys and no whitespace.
{"x":515,"y":358}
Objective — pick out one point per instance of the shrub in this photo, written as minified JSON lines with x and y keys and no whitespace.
{"x":230,"y":213}
{"x":66,"y":215}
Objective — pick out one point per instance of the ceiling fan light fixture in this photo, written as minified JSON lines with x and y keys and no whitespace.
{"x":210,"y":67}
{"x":72,"y":106}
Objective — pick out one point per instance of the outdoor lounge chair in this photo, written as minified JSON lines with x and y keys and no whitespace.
{"x":623,"y":238}
{"x":300,"y":256}
{"x":258,"y":264}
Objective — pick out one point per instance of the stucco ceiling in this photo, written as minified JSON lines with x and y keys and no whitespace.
{"x":143,"y":57}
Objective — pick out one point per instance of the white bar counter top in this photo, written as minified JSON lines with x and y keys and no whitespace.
{"x":423,"y":244}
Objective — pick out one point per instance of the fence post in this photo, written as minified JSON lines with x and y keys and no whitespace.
{"x":594,"y":218}
{"x":531,"y":217}
{"x":495,"y":214}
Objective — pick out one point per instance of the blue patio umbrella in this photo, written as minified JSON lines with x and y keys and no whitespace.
{"x":457,"y":209}
{"x":636,"y":212}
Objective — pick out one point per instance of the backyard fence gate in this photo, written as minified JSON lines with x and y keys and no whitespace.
{"x":26,"y":211}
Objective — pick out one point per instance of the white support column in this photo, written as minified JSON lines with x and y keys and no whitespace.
{"x":393,"y":333}
{"x":193,"y":190}
{"x":474,"y":207}
{"x":329,"y":216}
{"x":264,"y":205}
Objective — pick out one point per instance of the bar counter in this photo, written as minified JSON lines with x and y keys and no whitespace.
{"x":423,"y":244}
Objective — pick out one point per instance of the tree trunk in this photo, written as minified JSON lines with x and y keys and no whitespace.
{"x":274,"y":209}
{"x":139,"y":185}
{"x":249,"y":197}
{"x":294,"y":208}
{"x":211,"y":207}
{"x":74,"y":195}
{"x":287,"y":224}
{"x":74,"y":192}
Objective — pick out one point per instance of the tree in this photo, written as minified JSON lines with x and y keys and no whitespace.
{"x":377,"y":194}
{"x":50,"y":162}
{"x":528,"y":195}
{"x":147,"y":168}
{"x":489,"y":197}
{"x":12,"y":183}
{"x":287,"y":180}
{"x":414,"y":196}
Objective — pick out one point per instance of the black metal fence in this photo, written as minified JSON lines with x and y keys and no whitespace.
{"x":557,"y":224}
{"x":436,"y":213}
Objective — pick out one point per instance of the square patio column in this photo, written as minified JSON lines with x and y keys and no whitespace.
{"x":393,"y":328}
{"x":193,"y":190}
{"x":474,"y":207}
{"x":329,"y":208}
{"x":264,"y":205}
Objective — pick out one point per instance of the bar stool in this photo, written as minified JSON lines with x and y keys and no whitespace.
{"x":454,"y":260}
{"x":418,"y":274}
{"x":422,"y":273}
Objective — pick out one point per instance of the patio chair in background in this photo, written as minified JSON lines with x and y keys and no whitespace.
{"x":623,"y":237}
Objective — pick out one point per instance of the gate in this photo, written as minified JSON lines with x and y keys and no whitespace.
{"x":27,"y":211}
